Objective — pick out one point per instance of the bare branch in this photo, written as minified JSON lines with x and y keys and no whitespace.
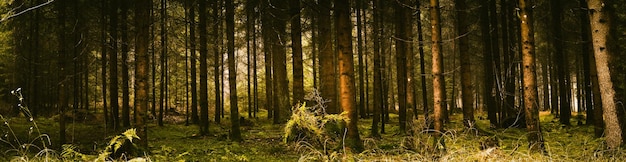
{"x":24,"y":11}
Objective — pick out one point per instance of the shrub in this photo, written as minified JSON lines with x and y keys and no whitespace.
{"x":312,"y":125}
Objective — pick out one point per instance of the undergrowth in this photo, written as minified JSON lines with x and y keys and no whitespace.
{"x":311,"y":135}
{"x":37,"y":145}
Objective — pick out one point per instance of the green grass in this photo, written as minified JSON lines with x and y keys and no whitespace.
{"x":263,"y":142}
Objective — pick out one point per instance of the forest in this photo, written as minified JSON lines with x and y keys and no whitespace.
{"x":312,"y":80}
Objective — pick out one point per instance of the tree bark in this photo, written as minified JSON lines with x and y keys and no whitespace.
{"x":359,"y":27}
{"x":142,"y":17}
{"x":125,"y":76}
{"x":488,"y":28}
{"x":296,"y":48}
{"x":420,"y":47}
{"x":401,"y":56}
{"x":267,"y":44}
{"x":113,"y":85}
{"x":600,"y":34}
{"x":232,"y":71}
{"x":204,"y":103}
{"x":279,"y":64}
{"x":328,"y":86}
{"x":217,"y":62}
{"x":439,"y":88}
{"x":193,"y":60}
{"x":467,"y":96}
{"x":562,"y":67}
{"x":346,"y":69}
{"x":62,"y":63}
{"x":378,"y":97}
{"x":585,"y":35}
{"x":103,"y":58}
{"x":535,"y":139}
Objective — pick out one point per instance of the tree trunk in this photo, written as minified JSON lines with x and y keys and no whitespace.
{"x":600,"y":34}
{"x":505,"y":75}
{"x":562,"y":67}
{"x":378,"y":97}
{"x":535,"y":139}
{"x":328,"y":87}
{"x":125,"y":76}
{"x":113,"y":88}
{"x":467,"y":96}
{"x":193,"y":60}
{"x":359,"y":27}
{"x":346,"y":69}
{"x":296,"y":48}
{"x":267,"y":43}
{"x":585,"y":35}
{"x":103,"y":57}
{"x":142,"y":17}
{"x":279,"y":62}
{"x":62,"y":71}
{"x":232,"y":71}
{"x":217,"y":62}
{"x":487,"y":32}
{"x":420,"y":47}
{"x":204,"y":103}
{"x":401,"y":56}
{"x":439,"y":88}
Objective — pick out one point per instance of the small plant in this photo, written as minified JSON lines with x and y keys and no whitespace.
{"x":23,"y":149}
{"x":310,"y":126}
{"x":120,"y":146}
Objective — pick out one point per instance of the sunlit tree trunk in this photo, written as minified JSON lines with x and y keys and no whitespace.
{"x":439,"y":88}
{"x":531,"y":105}
{"x":142,"y":17}
{"x":600,"y":34}
{"x":346,"y":69}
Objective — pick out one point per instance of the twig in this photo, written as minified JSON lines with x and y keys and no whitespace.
{"x":26,"y":10}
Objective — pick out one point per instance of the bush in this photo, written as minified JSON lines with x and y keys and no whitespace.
{"x":312,"y":125}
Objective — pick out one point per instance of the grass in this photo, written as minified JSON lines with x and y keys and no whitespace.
{"x":263,"y":142}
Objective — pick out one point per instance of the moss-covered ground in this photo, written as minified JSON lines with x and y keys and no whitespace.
{"x":263,"y":142}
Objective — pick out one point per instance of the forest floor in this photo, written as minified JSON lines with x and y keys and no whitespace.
{"x":263,"y":142}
